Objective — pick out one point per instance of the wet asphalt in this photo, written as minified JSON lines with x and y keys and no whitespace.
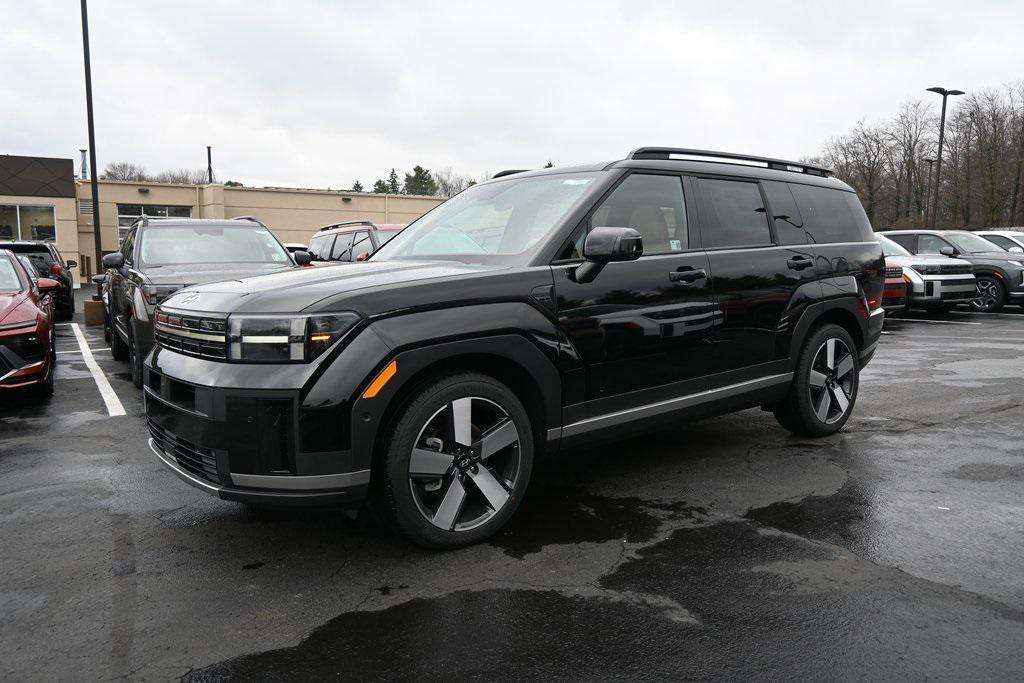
{"x":723,"y":548}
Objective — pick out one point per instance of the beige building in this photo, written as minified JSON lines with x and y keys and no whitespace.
{"x":59,"y":207}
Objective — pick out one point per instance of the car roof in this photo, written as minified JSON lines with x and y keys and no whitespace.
{"x":26,"y":243}
{"x":925,"y":232}
{"x":151,"y":222}
{"x":354,"y":226}
{"x":1002,"y":231}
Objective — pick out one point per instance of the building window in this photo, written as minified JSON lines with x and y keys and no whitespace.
{"x":129,"y":213}
{"x":27,"y":222}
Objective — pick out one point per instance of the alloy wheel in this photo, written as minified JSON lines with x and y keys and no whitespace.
{"x":832,"y":381}
{"x":986,"y":295}
{"x":464,"y":464}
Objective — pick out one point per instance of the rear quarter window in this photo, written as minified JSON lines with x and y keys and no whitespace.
{"x":831,"y":215}
{"x":320,"y":247}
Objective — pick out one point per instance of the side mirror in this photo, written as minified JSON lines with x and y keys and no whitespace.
{"x":99,"y":278}
{"x":302,"y":258}
{"x":947,"y":251}
{"x":363,"y":256}
{"x":46,"y":285}
{"x":1017,"y":250}
{"x":114,"y":260}
{"x":607,"y":245}
{"x":71,"y":264}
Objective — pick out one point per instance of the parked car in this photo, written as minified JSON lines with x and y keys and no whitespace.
{"x":35,"y":274}
{"x":999,"y":274}
{"x":49,"y":262}
{"x":351,"y":241}
{"x":160,"y":256}
{"x":609,"y":299}
{"x":27,"y":354}
{"x":934,"y":283}
{"x":1011,"y":240}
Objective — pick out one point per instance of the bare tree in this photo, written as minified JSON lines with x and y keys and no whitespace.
{"x":124,"y":170}
{"x":184,"y":176}
{"x":449,"y":183}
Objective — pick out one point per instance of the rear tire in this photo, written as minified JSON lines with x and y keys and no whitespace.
{"x":824,"y":388}
{"x":990,"y":294}
{"x":441,"y":492}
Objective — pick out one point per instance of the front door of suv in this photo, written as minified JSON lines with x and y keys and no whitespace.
{"x":642,"y":328}
{"x":759,"y":267}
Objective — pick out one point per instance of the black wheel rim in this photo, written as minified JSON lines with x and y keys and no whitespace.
{"x":832,"y":381}
{"x":465,"y":463}
{"x":986,"y":294}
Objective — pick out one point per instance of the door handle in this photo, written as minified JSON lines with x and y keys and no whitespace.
{"x":687,"y":275}
{"x":799,"y":262}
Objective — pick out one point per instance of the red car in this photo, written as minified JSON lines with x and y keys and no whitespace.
{"x":27,"y":355}
{"x":351,"y":241}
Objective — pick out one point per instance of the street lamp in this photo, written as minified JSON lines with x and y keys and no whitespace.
{"x":942,"y":133}
{"x":928,"y":190}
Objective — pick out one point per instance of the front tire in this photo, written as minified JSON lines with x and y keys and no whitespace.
{"x":457,"y":462}
{"x":990,"y":294}
{"x":825,"y":384}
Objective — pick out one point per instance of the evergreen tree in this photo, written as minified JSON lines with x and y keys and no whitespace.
{"x":420,"y":182}
{"x":393,"y":186}
{"x":357,"y":186}
{"x":549,"y":164}
{"x":380,"y":187}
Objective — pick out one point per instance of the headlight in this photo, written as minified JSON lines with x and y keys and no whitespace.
{"x":154,"y":294}
{"x":927,"y":270}
{"x":284,"y":338}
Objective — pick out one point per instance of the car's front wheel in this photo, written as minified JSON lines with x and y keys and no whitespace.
{"x":457,"y":461}
{"x":989,"y":294}
{"x":824,"y":388}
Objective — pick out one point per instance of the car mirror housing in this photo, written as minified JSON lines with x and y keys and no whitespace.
{"x":114,"y":260}
{"x":363,"y":256}
{"x":99,"y":278}
{"x":46,"y":284}
{"x":302,"y":258}
{"x":607,"y":245}
{"x":947,"y":251}
{"x":1017,"y":250}
{"x":71,"y":264}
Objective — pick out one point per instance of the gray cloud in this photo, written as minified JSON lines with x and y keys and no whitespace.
{"x":320,"y":94}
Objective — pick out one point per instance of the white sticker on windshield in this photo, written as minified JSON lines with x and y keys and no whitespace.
{"x":576,"y":181}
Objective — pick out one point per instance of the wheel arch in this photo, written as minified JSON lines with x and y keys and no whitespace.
{"x":845,"y":312}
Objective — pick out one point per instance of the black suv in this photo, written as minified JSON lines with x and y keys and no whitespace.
{"x":47,"y":262}
{"x":537,"y":311}
{"x":159,"y":256}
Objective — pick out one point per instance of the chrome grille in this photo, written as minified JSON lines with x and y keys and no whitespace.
{"x":192,"y":335}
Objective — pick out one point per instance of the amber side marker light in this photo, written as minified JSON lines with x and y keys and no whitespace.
{"x":380,"y":380}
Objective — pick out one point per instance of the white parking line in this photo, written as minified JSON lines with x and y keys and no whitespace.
{"x":110,"y":399}
{"x":933,"y":322}
{"x":102,"y":349}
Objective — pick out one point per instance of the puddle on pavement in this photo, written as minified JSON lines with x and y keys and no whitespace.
{"x":988,"y":472}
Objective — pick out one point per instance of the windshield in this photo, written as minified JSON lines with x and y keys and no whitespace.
{"x":9,"y":280}
{"x":890,"y":248}
{"x":179,"y":244}
{"x":972,"y":244}
{"x":501,"y":222}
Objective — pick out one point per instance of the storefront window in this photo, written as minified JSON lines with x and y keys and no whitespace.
{"x":129,"y":213}
{"x":27,"y":222}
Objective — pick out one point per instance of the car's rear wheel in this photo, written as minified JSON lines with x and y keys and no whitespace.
{"x":824,"y":388}
{"x":989,"y":294}
{"x":457,"y":462}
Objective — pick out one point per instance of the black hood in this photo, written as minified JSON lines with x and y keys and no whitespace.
{"x":187,"y":274}
{"x":304,"y":288}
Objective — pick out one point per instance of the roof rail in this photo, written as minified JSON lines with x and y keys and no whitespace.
{"x":511,"y":171}
{"x":332,"y":226}
{"x":776,"y":164}
{"x":247,"y":218}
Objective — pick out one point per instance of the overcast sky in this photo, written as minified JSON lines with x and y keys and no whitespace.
{"x":319,"y":94}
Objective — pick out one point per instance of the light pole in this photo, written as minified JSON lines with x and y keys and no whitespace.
{"x":92,"y":145}
{"x":928,"y":192}
{"x":942,"y":133}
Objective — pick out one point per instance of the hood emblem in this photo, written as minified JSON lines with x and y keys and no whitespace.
{"x":188,"y":298}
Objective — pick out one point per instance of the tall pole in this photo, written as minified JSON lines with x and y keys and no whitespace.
{"x":209,"y":165}
{"x":938,"y":161}
{"x":928,"y":193}
{"x":92,"y":144}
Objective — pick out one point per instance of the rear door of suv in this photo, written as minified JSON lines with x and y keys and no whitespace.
{"x":763,"y":273}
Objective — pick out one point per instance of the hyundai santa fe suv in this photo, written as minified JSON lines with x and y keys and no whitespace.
{"x":534,"y":312}
{"x":934,"y":282}
{"x":999,"y":274}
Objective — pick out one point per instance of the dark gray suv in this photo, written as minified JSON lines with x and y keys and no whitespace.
{"x":1000,"y":274}
{"x":160,"y":256}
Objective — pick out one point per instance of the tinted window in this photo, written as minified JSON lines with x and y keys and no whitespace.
{"x":735,"y":214}
{"x":930,"y":244}
{"x":128,"y":246}
{"x":342,"y":244}
{"x":196,"y":244}
{"x":831,"y":215}
{"x":320,"y":247}
{"x":9,"y":280}
{"x":1004,"y":242}
{"x":652,"y":205}
{"x":905,"y":241}
{"x":789,"y":228}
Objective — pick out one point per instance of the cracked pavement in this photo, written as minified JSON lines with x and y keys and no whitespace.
{"x":724,"y":548}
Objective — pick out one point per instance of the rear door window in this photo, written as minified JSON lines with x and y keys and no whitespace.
{"x":908,"y":242}
{"x":733,"y":214}
{"x":360,"y":243}
{"x":789,"y":226}
{"x":831,"y":215}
